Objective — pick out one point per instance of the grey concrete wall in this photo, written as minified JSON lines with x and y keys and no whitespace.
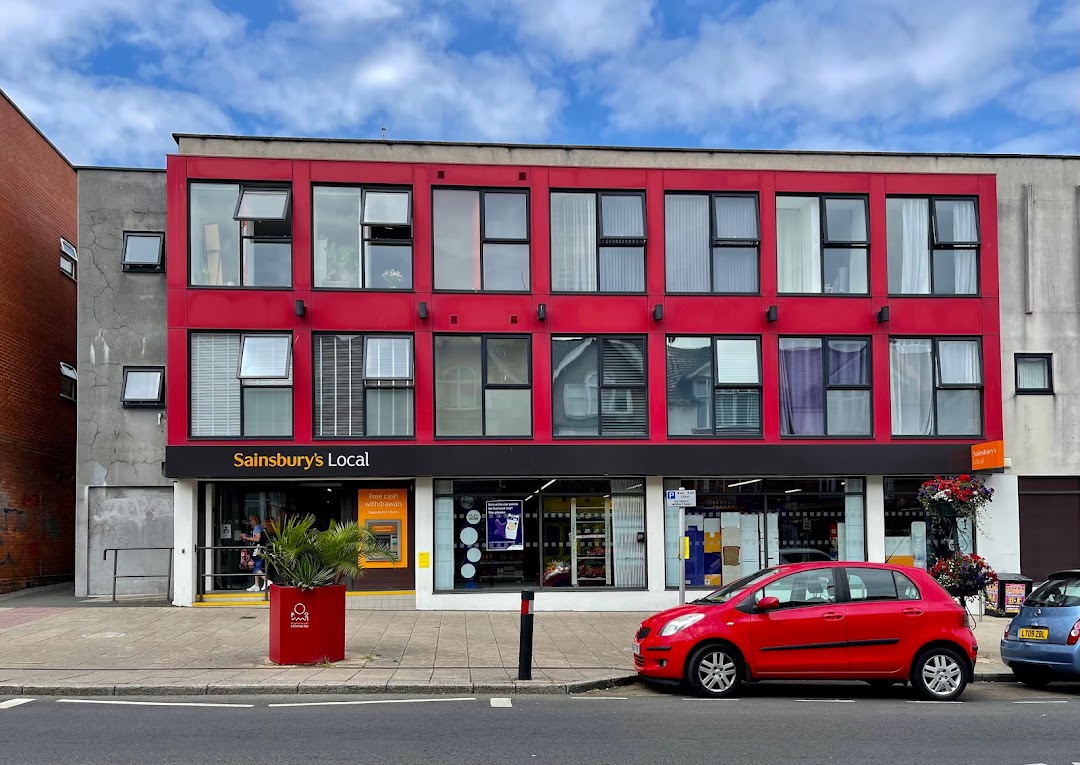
{"x":122,"y":498}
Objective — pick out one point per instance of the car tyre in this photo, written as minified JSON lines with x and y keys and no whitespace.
{"x":939,"y":674}
{"x":1033,"y":678}
{"x":715,"y":671}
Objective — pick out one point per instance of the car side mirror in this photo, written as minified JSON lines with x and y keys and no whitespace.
{"x":768,"y":604}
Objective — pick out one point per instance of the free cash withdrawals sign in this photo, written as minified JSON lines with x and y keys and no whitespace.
{"x":385,"y":513}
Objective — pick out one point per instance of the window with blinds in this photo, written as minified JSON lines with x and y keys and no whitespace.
{"x":364,"y":386}
{"x":241,"y":385}
{"x":598,"y":241}
{"x":714,"y":386}
{"x":599,"y":387}
{"x":711,"y":243}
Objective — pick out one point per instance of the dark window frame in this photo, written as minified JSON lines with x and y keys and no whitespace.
{"x":826,"y":386}
{"x":602,"y":241}
{"x":369,"y":383}
{"x":485,"y":385}
{"x":156,"y":403}
{"x":158,"y":267}
{"x":365,"y":238}
{"x":934,"y":245}
{"x":241,"y":437}
{"x":241,"y":185}
{"x":1048,"y":358}
{"x":938,"y":386}
{"x":717,"y":386}
{"x":484,"y":239}
{"x":69,"y":381}
{"x":716,"y":241}
{"x":600,"y":387}
{"x":69,"y":260}
{"x":827,"y":243}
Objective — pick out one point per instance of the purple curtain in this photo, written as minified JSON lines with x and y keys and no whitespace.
{"x":847,"y":362}
{"x":802,"y":400}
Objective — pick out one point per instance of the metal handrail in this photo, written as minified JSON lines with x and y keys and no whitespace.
{"x":200,"y":570}
{"x":116,"y":559}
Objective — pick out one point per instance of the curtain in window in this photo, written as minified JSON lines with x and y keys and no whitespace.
{"x":1031,"y":374}
{"x":627,"y":521}
{"x":801,"y":400}
{"x":735,"y":269}
{"x":736,"y":218}
{"x":959,"y":411}
{"x":339,"y":385}
{"x":854,"y":547}
{"x":623,"y":409}
{"x":215,"y":390}
{"x":622,"y":269}
{"x":798,"y":245}
{"x":622,"y":216}
{"x":965,"y":229}
{"x":686,"y":242}
{"x":573,"y":242}
{"x":267,"y":411}
{"x":456,"y":225}
{"x":911,"y":387}
{"x":849,"y":410}
{"x":909,"y":248}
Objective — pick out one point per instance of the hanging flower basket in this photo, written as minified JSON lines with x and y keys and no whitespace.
{"x":962,"y":496}
{"x":964,"y":576}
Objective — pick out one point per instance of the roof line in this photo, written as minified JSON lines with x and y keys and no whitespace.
{"x":589,"y":147}
{"x":116,"y":168}
{"x":30,"y":122}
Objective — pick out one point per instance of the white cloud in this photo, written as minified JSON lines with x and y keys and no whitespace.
{"x":582,"y":29}
{"x":335,"y":13}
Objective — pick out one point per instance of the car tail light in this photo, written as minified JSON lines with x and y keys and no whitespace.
{"x":1074,"y":634}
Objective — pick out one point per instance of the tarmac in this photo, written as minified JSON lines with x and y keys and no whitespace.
{"x":52,"y":643}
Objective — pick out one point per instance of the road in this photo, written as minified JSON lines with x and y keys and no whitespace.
{"x":996,"y":724}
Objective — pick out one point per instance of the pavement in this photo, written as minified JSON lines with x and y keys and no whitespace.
{"x":52,"y":643}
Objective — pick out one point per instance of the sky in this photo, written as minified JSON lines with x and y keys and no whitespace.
{"x":110,"y":81}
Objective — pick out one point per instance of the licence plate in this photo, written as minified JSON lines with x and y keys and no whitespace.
{"x":1028,"y":633}
{"x":637,"y":649}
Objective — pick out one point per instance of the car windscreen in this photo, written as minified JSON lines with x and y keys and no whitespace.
{"x":1056,"y":593}
{"x":726,"y":593}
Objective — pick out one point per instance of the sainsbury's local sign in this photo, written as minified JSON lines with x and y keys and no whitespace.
{"x":257,"y":459}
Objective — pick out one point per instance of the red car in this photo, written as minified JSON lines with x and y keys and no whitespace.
{"x":814,"y":621}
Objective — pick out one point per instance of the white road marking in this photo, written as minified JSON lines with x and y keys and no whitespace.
{"x":709,"y":700}
{"x":829,"y":701}
{"x":358,"y":703}
{"x":599,"y":698}
{"x":912,"y":701}
{"x":13,"y":703}
{"x":501,"y":703}
{"x":1052,"y":701}
{"x":152,"y":703}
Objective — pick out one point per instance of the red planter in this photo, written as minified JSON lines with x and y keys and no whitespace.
{"x":307,"y":626}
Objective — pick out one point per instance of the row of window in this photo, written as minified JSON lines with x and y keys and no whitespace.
{"x":241,"y":236}
{"x":363,"y":386}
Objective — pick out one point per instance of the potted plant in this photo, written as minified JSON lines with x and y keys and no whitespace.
{"x":307,"y":602}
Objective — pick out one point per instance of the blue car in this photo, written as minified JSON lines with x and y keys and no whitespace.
{"x":1042,"y":642}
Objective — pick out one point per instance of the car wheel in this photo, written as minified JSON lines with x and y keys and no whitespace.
{"x":939,"y":674}
{"x":715,"y":671}
{"x":1032,"y":678}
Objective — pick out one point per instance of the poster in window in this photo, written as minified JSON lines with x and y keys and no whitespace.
{"x":505,"y":530}
{"x":385,"y":513}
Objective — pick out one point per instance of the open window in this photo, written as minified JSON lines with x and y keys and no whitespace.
{"x":144,"y":251}
{"x":264,"y":357}
{"x":144,"y":387}
{"x":363,"y":237}
{"x":69,"y":259}
{"x":69,"y":381}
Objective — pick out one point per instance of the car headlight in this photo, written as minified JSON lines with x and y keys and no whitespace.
{"x":680,"y":622}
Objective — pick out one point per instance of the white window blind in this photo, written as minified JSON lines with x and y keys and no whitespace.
{"x":737,"y":362}
{"x":215,"y":389}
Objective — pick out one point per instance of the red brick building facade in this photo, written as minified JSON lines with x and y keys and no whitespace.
{"x":38,"y":299}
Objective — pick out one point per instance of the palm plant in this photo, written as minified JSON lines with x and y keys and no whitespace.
{"x":306,"y":557}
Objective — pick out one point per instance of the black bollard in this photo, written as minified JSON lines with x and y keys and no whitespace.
{"x":525,"y":646}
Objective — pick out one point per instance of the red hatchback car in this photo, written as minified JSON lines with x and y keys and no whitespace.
{"x":814,"y":621}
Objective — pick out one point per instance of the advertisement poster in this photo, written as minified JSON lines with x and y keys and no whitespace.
{"x":1014,"y":598}
{"x":385,"y":513}
{"x":505,"y":530}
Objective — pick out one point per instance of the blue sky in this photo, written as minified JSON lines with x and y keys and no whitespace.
{"x":109,"y":81}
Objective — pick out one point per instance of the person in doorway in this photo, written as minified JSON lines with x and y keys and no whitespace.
{"x":258,"y":538}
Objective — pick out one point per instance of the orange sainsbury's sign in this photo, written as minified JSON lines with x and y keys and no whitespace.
{"x":988,"y":455}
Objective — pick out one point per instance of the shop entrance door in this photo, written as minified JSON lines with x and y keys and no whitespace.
{"x":232,"y":506}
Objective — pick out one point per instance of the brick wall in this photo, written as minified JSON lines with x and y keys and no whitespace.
{"x":37,"y":332}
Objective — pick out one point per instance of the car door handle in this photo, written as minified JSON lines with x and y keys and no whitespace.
{"x":832,"y":616}
{"x":912,"y":612}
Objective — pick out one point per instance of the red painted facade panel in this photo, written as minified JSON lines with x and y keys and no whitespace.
{"x":575,"y":314}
